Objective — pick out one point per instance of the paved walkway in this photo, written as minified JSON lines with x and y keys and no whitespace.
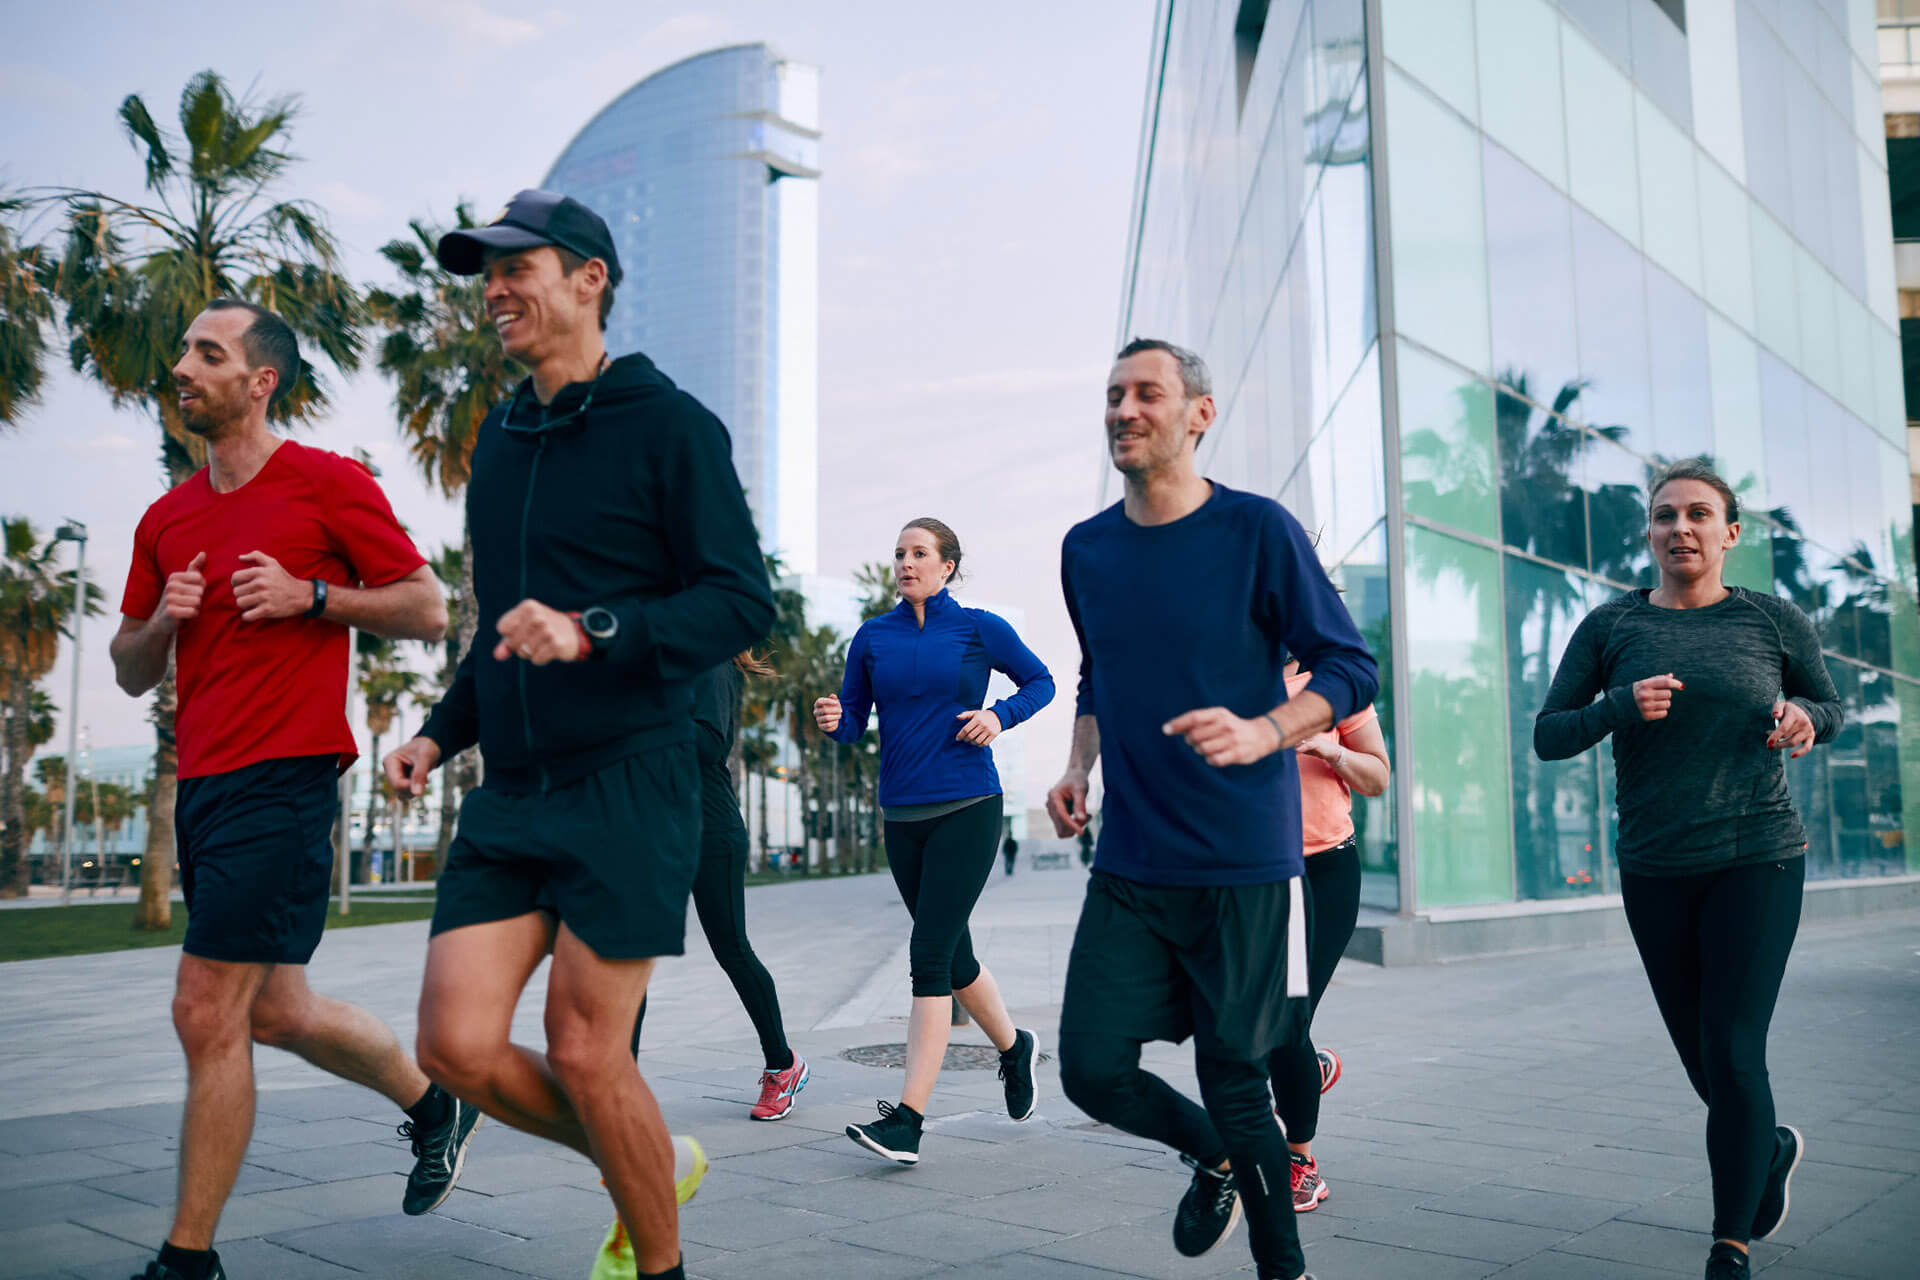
{"x":1520,"y":1117}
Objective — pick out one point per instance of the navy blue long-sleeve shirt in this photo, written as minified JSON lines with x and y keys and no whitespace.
{"x":922,"y":679}
{"x":1202,"y":612}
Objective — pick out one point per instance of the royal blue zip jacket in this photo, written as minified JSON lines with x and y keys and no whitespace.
{"x":921,"y":679}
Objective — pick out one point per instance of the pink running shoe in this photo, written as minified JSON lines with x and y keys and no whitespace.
{"x":1329,"y":1069}
{"x":1308,"y":1189}
{"x":777,"y":1090}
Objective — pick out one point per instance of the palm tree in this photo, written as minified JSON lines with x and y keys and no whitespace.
{"x":448,"y":371}
{"x":456,"y":775}
{"x":36,"y":607}
{"x":26,"y":308}
{"x":383,"y":683}
{"x":132,"y":276}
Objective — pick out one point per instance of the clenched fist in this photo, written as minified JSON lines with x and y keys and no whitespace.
{"x":265,"y":591}
{"x":826,"y":713}
{"x":408,"y":765}
{"x":185,"y":591}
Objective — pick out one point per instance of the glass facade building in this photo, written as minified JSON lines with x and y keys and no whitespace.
{"x":1465,"y":271}
{"x":707,"y":173}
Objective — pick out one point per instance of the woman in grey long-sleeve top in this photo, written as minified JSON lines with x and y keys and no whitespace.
{"x":1703,"y":687}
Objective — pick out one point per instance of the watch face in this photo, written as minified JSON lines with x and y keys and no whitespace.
{"x":600,"y":623}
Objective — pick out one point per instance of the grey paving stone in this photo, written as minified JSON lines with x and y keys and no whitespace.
{"x":529,"y":1214}
{"x":301,"y":1135}
{"x":1349,"y":1201}
{"x":63,"y":1244}
{"x":33,"y":1206}
{"x":1409,"y":1175}
{"x":1595,"y":1183}
{"x":373,"y":1196}
{"x":147,"y":1224}
{"x":155,"y":1153}
{"x":1457,"y":1236}
{"x":1346,"y":1257}
{"x":943,"y":1237}
{"x":1142,"y":1249}
{"x":37,"y":1135}
{"x":813,"y":1260}
{"x":1069,"y":1209}
{"x":1636,"y":1164}
{"x":861,"y":1199}
{"x":329,"y":1164}
{"x":1645,"y":1246}
{"x":331,"y":1102}
{"x":724,"y":1226}
{"x":970,"y":1177}
{"x":809,"y":1163}
{"x":1555,"y":1265}
{"x":1032,"y":1266}
{"x":1531,"y":1208}
{"x":54,"y":1166}
{"x":245,"y":1259}
{"x":1139,"y":1184}
{"x":157,"y":1186}
{"x":433,"y":1245}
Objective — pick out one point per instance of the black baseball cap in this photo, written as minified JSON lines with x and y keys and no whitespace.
{"x":531,"y":219}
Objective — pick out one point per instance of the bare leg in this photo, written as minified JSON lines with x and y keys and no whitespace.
{"x":982,"y":999}
{"x":340,"y":1038}
{"x":928,"y":1027}
{"x":210,"y":1003}
{"x":591,"y":1003}
{"x":473,"y":982}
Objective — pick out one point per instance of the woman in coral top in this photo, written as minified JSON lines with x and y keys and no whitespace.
{"x":1350,"y":757}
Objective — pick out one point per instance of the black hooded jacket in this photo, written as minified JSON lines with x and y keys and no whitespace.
{"x":620,"y":493}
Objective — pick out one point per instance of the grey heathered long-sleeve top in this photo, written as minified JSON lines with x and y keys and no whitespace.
{"x":1700,"y":789}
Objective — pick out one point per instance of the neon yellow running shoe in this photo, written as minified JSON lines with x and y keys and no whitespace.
{"x":615,"y":1260}
{"x":689,"y":1168}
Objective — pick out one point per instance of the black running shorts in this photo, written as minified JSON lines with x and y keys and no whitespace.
{"x":611,"y":856}
{"x":255,"y":848}
{"x":1164,"y":962}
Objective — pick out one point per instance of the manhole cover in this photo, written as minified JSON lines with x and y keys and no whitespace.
{"x":960,"y":1057}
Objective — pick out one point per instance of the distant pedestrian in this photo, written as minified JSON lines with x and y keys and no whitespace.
{"x":1333,"y":765}
{"x":245,"y":578}
{"x":924,"y":666}
{"x":1010,"y":850}
{"x":1703,"y":686}
{"x":1186,"y":597}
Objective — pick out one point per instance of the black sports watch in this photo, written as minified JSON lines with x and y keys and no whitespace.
{"x":601,"y":627}
{"x":319,"y":605}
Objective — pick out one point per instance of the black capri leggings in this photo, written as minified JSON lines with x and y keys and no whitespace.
{"x":1333,"y":895}
{"x":720,"y":899}
{"x":1715,"y":948}
{"x":941,"y":865}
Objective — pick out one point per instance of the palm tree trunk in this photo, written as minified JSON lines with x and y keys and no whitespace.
{"x":13,"y":804}
{"x":155,"y":912}
{"x":763,"y":813}
{"x":806,"y":801}
{"x":469,"y":627}
{"x":373,"y":812}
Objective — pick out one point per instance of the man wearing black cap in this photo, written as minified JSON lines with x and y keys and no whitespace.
{"x":616,"y":559}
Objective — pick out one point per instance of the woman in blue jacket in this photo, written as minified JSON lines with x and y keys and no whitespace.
{"x":924,"y":666}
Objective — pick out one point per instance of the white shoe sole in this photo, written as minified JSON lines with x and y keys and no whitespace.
{"x":1033,"y":1062}
{"x":1786,"y":1183}
{"x":459,"y":1158}
{"x":859,"y":1135}
{"x":1233,"y":1221}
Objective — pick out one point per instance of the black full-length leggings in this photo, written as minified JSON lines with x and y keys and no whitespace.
{"x":720,"y":900}
{"x":1715,"y":948}
{"x":940,"y":865}
{"x":1333,"y":897}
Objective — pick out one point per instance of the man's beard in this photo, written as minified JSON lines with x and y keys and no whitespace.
{"x":205,"y":419}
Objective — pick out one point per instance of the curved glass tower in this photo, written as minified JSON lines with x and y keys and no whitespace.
{"x":707,"y":173}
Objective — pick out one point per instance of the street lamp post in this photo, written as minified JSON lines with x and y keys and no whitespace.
{"x":72,"y":531}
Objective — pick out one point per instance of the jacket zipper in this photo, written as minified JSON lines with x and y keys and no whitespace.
{"x":526,"y":514}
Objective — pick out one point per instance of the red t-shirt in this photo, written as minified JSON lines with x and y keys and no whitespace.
{"x":1326,"y":801}
{"x":252,"y":691}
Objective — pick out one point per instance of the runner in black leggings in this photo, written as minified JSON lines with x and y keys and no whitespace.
{"x":924,"y":665}
{"x":719,"y":887}
{"x":1702,"y":687}
{"x":1350,"y":757}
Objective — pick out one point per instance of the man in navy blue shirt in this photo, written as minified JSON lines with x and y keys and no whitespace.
{"x":1187,"y":597}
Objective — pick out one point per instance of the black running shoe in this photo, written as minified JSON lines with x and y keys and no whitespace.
{"x":1208,"y":1213}
{"x":1726,"y":1263}
{"x":438,"y":1155}
{"x":895,"y":1135}
{"x":157,"y":1271}
{"x":1016,"y":1073}
{"x":1788,"y":1148}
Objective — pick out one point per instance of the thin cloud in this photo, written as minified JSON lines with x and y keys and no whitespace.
{"x":476,"y":22}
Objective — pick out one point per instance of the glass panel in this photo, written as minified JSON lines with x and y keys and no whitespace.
{"x":1853,"y":336}
{"x":1433,"y":40}
{"x":1611,"y":311}
{"x":1889,"y":380}
{"x":1607,"y":23}
{"x":1880,"y":728}
{"x":1776,"y":301}
{"x":1600,"y":150}
{"x":1313,"y":260}
{"x":1460,"y":793}
{"x":1825,"y":518}
{"x":1660,"y":61}
{"x":1713,"y":57}
{"x":1726,"y":244}
{"x":1876,"y":220}
{"x":1363,"y":577}
{"x":1812,"y":218}
{"x":1530,"y":281}
{"x":1896,"y":508}
{"x":1669,"y":203}
{"x":1616,"y":486}
{"x":1520,"y":98}
{"x":1556,"y":805}
{"x":1841,"y":155}
{"x":1541,"y":507}
{"x":1346,"y":210}
{"x":1446,"y":444}
{"x":1738,"y":444}
{"x":1829,"y":786}
{"x":1339,"y":51}
{"x":1682,"y":388}
{"x":1354,"y":437}
{"x":1763,"y":111}
{"x":1907,"y":694}
{"x":1439,"y":243}
{"x":1819,"y":349}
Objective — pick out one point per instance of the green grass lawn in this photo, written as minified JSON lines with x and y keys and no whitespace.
{"x":32,"y":933}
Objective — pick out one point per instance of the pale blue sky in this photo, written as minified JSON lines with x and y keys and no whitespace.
{"x":979,"y":163}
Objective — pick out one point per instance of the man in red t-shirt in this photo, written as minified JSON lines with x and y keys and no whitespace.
{"x":249,"y":575}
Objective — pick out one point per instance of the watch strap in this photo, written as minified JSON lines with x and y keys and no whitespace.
{"x":580,"y":630}
{"x":319,"y":605}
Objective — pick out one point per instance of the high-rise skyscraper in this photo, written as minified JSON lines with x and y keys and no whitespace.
{"x":707,"y":173}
